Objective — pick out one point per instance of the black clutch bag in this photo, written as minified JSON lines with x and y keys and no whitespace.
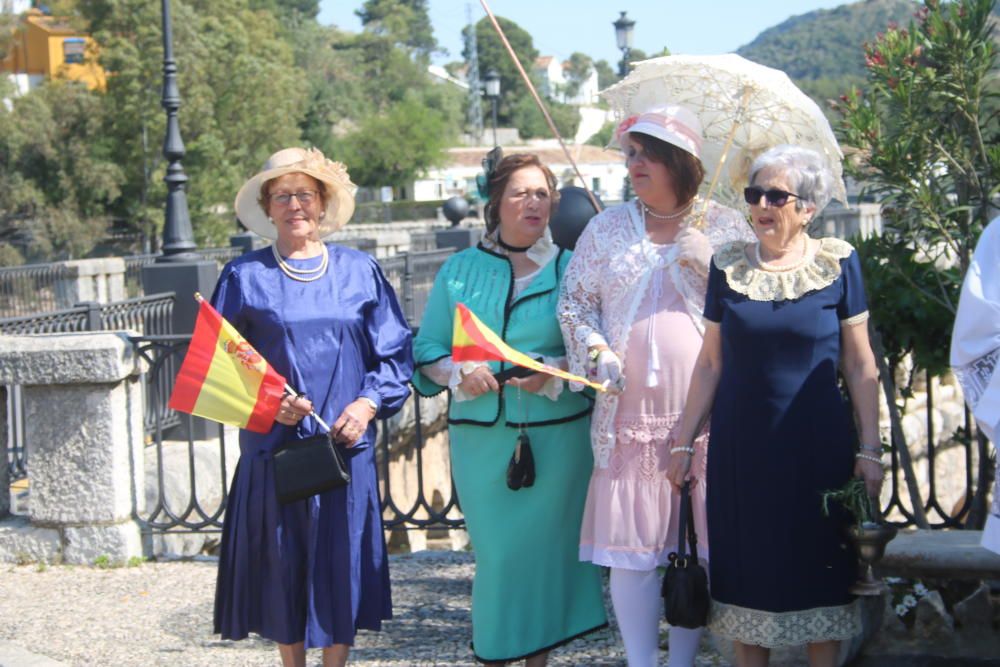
{"x":685,"y":584}
{"x":303,"y":468}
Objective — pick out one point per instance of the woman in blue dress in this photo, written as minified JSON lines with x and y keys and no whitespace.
{"x":313,"y":572}
{"x":782,"y":315}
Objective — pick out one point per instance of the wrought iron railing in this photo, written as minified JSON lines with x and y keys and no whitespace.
{"x":150,"y":315}
{"x":30,"y":289}
{"x":412,"y":276}
{"x":193,"y":514}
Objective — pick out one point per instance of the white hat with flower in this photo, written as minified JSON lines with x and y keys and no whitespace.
{"x":339,"y":190}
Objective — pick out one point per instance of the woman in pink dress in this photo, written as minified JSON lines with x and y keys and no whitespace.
{"x":630,"y":312}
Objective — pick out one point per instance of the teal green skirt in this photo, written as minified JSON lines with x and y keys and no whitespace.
{"x":531,"y":593}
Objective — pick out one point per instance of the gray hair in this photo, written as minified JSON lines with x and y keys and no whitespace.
{"x":807,"y":172}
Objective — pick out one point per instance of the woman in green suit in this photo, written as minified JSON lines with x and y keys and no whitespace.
{"x":531,"y":593}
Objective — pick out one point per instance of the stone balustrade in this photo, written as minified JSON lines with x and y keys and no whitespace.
{"x":84,"y":436}
{"x":101,"y":280}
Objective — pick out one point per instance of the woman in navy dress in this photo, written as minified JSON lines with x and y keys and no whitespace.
{"x":313,"y":572}
{"x":782,"y":315}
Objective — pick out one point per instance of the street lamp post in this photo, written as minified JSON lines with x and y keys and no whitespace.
{"x":493,"y":95}
{"x":179,"y":269}
{"x":178,"y":239}
{"x":623,"y":36}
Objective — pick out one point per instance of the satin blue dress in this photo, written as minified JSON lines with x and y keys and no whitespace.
{"x":314,"y":570}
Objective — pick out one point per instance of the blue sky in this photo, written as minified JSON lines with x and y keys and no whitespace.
{"x":560,"y":27}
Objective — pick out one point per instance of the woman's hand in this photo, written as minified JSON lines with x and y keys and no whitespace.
{"x":678,"y":466}
{"x":532,"y":383}
{"x":478,"y":382}
{"x":607,"y":370}
{"x":353,"y":422}
{"x":873,"y":474}
{"x":293,"y":409}
{"x":694,"y":250}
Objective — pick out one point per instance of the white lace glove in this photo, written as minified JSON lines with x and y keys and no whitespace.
{"x":608,"y":369}
{"x":694,"y":250}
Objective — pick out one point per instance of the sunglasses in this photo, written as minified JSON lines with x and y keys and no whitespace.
{"x":773,"y":196}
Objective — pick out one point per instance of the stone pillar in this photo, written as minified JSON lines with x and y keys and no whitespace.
{"x":83,"y":427}
{"x":101,"y":280}
{"x":4,"y":471}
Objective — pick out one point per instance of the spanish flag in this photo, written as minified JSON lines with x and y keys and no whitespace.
{"x":471,"y":340}
{"x":224,"y":379}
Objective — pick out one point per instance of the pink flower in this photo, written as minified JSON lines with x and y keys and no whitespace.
{"x":625,"y":125}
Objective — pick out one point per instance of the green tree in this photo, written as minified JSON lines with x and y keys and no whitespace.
{"x":395,"y":147}
{"x":531,"y":124}
{"x":493,"y":55}
{"x":58,"y":173}
{"x":605,"y":75}
{"x":242,"y":99}
{"x":927,"y":137}
{"x":405,"y":22}
{"x":580,"y":66}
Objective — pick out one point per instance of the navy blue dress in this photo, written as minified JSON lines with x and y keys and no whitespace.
{"x":780,"y":435}
{"x":313,"y":570}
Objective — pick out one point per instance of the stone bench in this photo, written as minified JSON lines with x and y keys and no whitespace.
{"x":945,"y":554}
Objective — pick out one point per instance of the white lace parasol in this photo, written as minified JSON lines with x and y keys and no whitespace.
{"x":744,"y":109}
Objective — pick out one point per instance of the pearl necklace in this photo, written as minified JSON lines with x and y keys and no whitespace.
{"x":302,"y":275}
{"x":767,"y":266}
{"x":669,"y":216}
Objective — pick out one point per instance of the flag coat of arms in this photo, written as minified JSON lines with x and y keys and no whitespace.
{"x":472,"y":340}
{"x":224,"y":379}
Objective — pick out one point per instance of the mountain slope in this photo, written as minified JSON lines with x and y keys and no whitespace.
{"x":826,"y":44}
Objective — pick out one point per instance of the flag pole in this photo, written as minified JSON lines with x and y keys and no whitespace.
{"x":288,"y":388}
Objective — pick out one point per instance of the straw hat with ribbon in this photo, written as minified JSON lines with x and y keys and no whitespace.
{"x":333,"y":175}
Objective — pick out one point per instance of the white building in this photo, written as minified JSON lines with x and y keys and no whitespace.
{"x":553,"y":76}
{"x":603,"y":170}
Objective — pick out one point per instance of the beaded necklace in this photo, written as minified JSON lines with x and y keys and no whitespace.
{"x":302,"y":275}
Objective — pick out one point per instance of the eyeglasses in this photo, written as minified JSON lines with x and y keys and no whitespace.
{"x":773,"y":196}
{"x":285,"y":198}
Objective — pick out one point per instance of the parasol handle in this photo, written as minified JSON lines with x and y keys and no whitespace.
{"x":539,"y":103}
{"x":700,"y":222}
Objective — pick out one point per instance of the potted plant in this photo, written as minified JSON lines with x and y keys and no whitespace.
{"x":868,"y":533}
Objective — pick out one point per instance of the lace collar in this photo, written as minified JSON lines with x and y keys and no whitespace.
{"x":746,"y":278}
{"x":541,"y":252}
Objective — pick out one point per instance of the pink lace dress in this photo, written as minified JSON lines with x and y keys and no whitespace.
{"x":630,"y":520}
{"x":623,"y":291}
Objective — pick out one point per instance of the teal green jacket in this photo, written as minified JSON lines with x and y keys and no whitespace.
{"x":484,"y":282}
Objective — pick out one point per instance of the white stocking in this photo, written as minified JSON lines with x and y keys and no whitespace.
{"x":635,"y":595}
{"x":684,"y":646}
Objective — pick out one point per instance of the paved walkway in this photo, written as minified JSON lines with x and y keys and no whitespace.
{"x":161,"y":614}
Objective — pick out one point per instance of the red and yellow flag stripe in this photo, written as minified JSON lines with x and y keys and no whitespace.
{"x":224,"y":379}
{"x":471,"y":340}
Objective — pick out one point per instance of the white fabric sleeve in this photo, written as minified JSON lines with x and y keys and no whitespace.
{"x":579,"y":308}
{"x":553,"y":387}
{"x":447,"y":373}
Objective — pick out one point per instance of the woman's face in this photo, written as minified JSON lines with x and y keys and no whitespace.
{"x":295,"y":219}
{"x":652,"y":181}
{"x":525,"y":207}
{"x":777,"y":226}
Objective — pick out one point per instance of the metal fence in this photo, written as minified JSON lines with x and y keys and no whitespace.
{"x":135,"y":263}
{"x":412,"y":276}
{"x":152,"y":315}
{"x":30,"y":289}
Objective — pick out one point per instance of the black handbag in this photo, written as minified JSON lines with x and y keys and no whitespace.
{"x":521,"y":468}
{"x":685,"y":584}
{"x":303,"y":468}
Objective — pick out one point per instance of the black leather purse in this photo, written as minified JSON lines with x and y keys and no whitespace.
{"x":303,"y":468}
{"x":685,"y":584}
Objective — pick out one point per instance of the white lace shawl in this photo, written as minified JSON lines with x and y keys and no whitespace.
{"x":605,"y":282}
